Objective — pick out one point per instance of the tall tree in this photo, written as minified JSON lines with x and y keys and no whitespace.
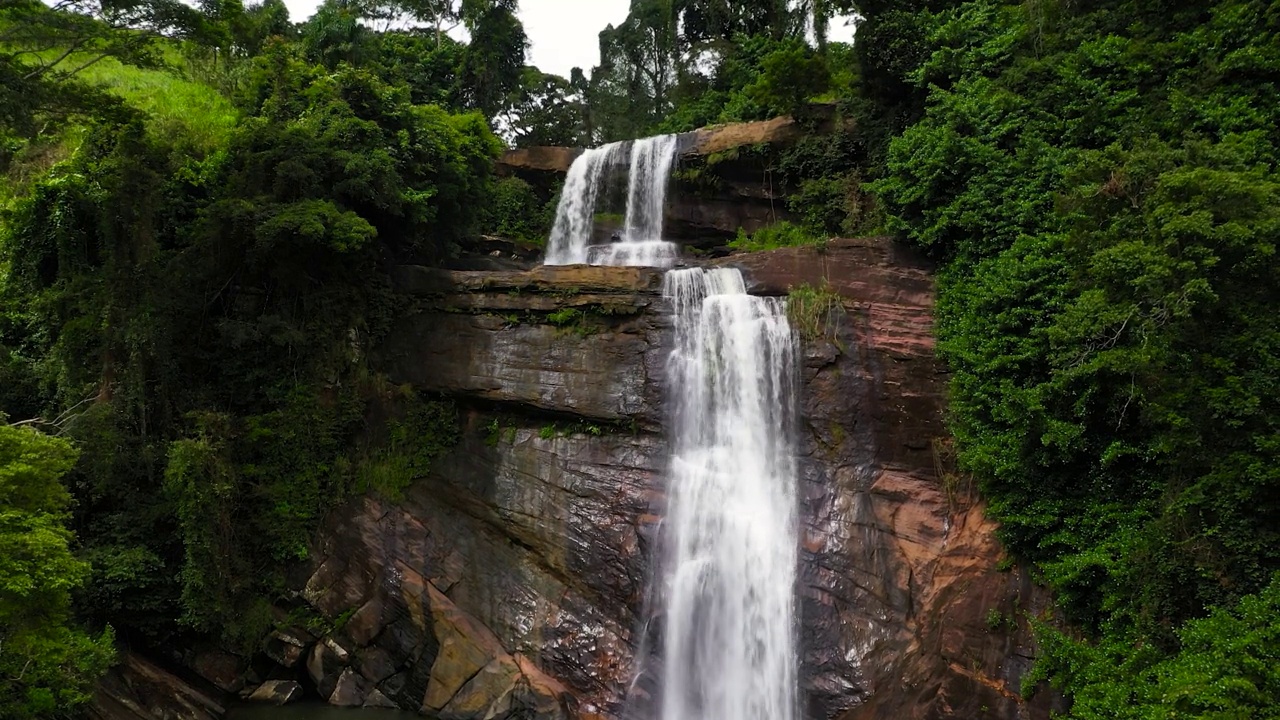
{"x":47,"y":665}
{"x":547,"y":110}
{"x":493,"y":64}
{"x":639,"y":66}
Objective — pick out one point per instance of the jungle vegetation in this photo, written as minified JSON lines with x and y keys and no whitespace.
{"x":200,"y":207}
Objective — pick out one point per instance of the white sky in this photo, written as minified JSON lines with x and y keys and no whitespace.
{"x":563,"y":34}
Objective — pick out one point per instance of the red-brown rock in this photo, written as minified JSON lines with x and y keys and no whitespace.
{"x":542,"y":534}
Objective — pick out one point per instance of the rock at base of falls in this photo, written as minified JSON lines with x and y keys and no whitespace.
{"x":277,"y":692}
{"x":137,"y":689}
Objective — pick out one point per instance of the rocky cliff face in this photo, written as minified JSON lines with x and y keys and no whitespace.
{"x":727,"y":183}
{"x":512,"y":581}
{"x":905,"y":611}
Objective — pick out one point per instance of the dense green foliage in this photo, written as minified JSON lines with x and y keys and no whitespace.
{"x":518,"y":212}
{"x":47,"y":663}
{"x":194,"y":256}
{"x":1101,"y":185}
{"x":778,"y":235}
{"x":676,"y":65}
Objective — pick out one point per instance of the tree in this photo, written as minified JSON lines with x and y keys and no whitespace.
{"x":791,"y":76}
{"x":47,"y":665}
{"x":337,"y":33}
{"x":493,"y":64}
{"x":1099,"y":181}
{"x":546,"y":110}
{"x":639,"y":66}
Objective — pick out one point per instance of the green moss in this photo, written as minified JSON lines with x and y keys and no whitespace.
{"x":425,"y":431}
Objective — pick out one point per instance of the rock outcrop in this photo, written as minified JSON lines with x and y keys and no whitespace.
{"x":511,"y":582}
{"x":702,"y":142}
{"x":903,"y":598}
{"x":735,"y":187}
{"x":137,"y":689}
{"x":570,"y":340}
{"x":519,"y":161}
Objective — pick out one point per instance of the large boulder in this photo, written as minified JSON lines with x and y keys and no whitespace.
{"x":328,"y":662}
{"x":287,"y":647}
{"x":137,"y":689}
{"x":225,"y":670}
{"x":277,"y":692}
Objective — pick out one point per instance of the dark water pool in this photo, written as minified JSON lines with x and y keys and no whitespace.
{"x":315,"y":711}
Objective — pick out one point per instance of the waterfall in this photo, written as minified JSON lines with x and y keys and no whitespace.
{"x":731,"y":534}
{"x":651,"y":160}
{"x":726,"y":576}
{"x":575,"y":215}
{"x":644,"y":253}
{"x":648,"y":166}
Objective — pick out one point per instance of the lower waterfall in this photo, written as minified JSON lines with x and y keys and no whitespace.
{"x":728,"y":570}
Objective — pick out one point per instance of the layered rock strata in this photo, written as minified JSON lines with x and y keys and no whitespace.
{"x":137,"y":689}
{"x":702,"y":142}
{"x":512,"y":581}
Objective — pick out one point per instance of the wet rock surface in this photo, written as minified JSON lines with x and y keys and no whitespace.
{"x":277,"y":692}
{"x":575,"y":340}
{"x":511,"y":582}
{"x":526,"y":549}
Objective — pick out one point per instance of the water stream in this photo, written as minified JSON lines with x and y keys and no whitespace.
{"x":651,"y":160}
{"x":731,"y":536}
{"x":725,"y":583}
{"x":647,"y":163}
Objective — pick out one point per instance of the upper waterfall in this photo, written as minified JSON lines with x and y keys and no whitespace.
{"x":648,"y":164}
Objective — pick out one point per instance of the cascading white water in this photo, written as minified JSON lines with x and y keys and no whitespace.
{"x":651,"y":160}
{"x":575,"y":215}
{"x":730,"y":537}
{"x":731,"y":534}
{"x":647,"y":253}
{"x":649,"y":170}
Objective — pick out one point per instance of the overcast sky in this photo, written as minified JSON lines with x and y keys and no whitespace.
{"x":563,"y":34}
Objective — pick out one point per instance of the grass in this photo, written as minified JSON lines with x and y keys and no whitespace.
{"x":191,"y":116}
{"x":184,"y":112}
{"x":813,"y":311}
{"x":778,"y":235}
